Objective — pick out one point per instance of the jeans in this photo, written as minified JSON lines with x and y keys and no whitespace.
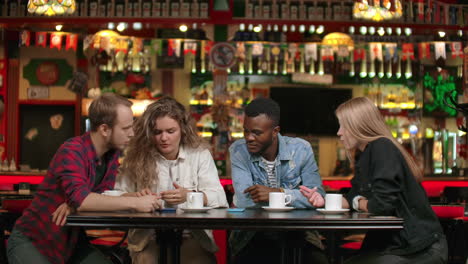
{"x":21,"y":250}
{"x":437,"y":253}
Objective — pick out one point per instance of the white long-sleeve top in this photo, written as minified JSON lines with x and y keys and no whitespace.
{"x":194,"y":169}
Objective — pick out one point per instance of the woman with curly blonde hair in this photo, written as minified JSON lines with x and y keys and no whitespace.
{"x":167,"y":158}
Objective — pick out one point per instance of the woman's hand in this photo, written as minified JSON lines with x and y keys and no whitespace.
{"x":144,"y":192}
{"x":176,"y":196}
{"x":315,"y":198}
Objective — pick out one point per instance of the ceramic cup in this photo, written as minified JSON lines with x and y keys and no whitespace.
{"x":195,"y":200}
{"x":113,"y":193}
{"x":279,"y":199}
{"x":333,"y":201}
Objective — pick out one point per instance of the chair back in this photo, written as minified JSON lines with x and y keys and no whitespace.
{"x":455,"y":194}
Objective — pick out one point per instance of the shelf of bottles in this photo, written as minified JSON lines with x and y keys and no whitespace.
{"x":120,"y":8}
{"x":417,"y":12}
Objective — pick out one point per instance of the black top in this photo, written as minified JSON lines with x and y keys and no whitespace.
{"x":384,"y":178}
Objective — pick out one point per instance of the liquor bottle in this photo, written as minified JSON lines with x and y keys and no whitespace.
{"x":120,"y":8}
{"x":137,"y":8}
{"x":5,"y":166}
{"x":93,"y":8}
{"x":195,"y":9}
{"x":111,"y":8}
{"x":102,"y":9}
{"x":12,"y":165}
{"x":175,"y":9}
{"x":146,"y":8}
{"x":185,"y":8}
{"x":204,"y":9}
{"x":156,"y":12}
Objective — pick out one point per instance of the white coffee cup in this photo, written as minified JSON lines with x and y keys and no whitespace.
{"x":279,"y":199}
{"x":113,"y":193}
{"x":195,"y":200}
{"x":333,"y":201}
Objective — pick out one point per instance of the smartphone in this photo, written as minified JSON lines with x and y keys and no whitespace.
{"x":235,"y":210}
{"x":167,"y":210}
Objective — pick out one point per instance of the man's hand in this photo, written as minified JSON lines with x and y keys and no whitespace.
{"x":260,"y":193}
{"x":315,"y":199}
{"x":59,"y":217}
{"x":176,"y":196}
{"x":147,"y":203}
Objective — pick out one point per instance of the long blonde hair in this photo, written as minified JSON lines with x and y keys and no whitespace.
{"x":140,"y":158}
{"x":363,"y":121}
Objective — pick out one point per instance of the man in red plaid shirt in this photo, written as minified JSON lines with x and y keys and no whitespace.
{"x":83,"y":168}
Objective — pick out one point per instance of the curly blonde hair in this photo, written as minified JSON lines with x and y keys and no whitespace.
{"x":140,"y":158}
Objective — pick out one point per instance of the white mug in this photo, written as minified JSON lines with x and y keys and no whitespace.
{"x":113,"y":193}
{"x":279,"y":199}
{"x":333,"y":201}
{"x":195,"y":200}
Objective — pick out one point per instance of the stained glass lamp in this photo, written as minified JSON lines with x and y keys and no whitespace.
{"x":373,"y":10}
{"x":51,"y":7}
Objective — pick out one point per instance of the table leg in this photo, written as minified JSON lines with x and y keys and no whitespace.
{"x":177,"y":242}
{"x":169,"y":239}
{"x":291,"y":248}
{"x":331,"y":245}
{"x":161,"y":238}
{"x":3,"y":257}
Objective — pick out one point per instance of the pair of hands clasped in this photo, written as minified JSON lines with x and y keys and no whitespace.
{"x":145,"y":201}
{"x":173,"y":197}
{"x":260,"y":193}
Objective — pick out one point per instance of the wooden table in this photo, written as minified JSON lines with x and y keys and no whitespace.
{"x":250,"y":219}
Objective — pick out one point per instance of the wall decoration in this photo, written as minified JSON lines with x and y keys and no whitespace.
{"x":48,"y":72}
{"x":43,"y":129}
{"x":38,"y":92}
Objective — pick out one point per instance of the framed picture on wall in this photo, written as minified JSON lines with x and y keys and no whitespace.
{"x":43,"y":129}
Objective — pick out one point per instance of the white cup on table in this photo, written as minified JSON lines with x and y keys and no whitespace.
{"x":333,"y":201}
{"x":279,"y":199}
{"x":195,"y":200}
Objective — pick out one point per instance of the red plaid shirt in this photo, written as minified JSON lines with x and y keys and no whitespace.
{"x":70,"y":178}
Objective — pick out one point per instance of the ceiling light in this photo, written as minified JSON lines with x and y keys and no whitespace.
{"x":183,"y":28}
{"x":121,"y":27}
{"x":398,"y":31}
{"x":110,"y":25}
{"x":58,"y":27}
{"x":137,"y":26}
{"x":408,"y":31}
{"x":312,"y":29}
{"x":441,"y":34}
{"x":381,"y":31}
{"x":320,"y":29}
{"x":257,"y":28}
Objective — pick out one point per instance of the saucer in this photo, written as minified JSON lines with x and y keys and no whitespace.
{"x":195,"y":210}
{"x":336,"y":211}
{"x":280,"y":209}
{"x":113,"y":193}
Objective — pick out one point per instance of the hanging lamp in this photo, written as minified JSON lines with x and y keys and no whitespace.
{"x":377,"y":10}
{"x":51,"y":7}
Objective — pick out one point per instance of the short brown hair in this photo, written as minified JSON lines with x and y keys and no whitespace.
{"x":103,"y":110}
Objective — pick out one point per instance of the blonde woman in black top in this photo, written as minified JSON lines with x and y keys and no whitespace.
{"x":387,"y":183}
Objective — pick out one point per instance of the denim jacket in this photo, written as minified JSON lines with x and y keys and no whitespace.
{"x":295,"y":166}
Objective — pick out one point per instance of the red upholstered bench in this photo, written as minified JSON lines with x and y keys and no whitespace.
{"x":449,"y":211}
